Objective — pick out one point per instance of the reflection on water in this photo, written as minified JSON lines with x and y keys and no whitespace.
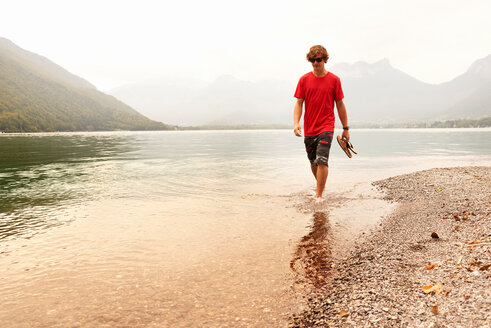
{"x":42,"y":174}
{"x":26,"y":223}
{"x":313,"y":257}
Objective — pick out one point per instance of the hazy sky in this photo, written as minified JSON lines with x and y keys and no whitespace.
{"x":111,"y":43}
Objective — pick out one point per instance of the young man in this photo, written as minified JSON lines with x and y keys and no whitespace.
{"x":319,"y":90}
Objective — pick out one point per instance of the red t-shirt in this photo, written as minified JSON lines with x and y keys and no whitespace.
{"x":319,"y":94}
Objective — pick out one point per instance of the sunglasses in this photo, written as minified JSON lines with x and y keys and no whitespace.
{"x":316,"y":60}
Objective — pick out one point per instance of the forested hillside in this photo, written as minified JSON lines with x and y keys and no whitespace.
{"x":38,"y":95}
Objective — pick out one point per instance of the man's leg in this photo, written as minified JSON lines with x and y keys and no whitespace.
{"x":321,"y":177}
{"x":314,"y":170}
{"x":318,"y":152}
{"x":321,"y":159}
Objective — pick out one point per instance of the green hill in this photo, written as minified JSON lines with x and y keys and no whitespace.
{"x":37,"y":95}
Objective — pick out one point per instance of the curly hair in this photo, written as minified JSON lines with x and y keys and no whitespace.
{"x":318,"y":51}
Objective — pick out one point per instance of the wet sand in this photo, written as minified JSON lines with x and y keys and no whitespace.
{"x":425,"y":265}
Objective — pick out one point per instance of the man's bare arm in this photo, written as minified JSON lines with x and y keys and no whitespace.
{"x":343,"y":117}
{"x":297,"y":114}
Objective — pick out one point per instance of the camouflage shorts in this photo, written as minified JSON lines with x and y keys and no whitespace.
{"x":318,"y":148}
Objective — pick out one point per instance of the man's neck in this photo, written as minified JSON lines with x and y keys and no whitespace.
{"x":320,"y":73}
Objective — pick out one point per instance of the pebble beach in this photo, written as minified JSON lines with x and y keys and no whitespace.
{"x":427,"y":264}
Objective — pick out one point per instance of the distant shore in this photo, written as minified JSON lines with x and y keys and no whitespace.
{"x":463,"y":123}
{"x":426,"y":265}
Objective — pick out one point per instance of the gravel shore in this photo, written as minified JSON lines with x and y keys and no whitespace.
{"x":426,"y":265}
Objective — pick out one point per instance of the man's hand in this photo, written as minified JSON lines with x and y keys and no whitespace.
{"x":345,"y":135}
{"x":343,"y":117}
{"x":297,"y":130}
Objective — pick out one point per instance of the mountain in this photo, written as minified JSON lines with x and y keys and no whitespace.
{"x":229,"y":101}
{"x":379,"y":92}
{"x":374,"y":93}
{"x":225,"y":101}
{"x":469,"y":93}
{"x":152,"y":96}
{"x":43,"y":66}
{"x":38,"y":95}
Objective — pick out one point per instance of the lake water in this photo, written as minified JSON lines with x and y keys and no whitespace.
{"x":189,"y":228}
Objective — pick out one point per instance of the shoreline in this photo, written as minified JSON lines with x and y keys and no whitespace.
{"x":379,"y":283}
{"x":249,"y":128}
